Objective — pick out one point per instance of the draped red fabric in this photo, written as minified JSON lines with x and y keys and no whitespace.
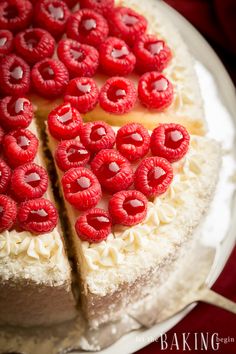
{"x":216,"y":20}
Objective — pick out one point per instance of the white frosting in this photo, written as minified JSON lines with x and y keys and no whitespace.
{"x":29,"y":248}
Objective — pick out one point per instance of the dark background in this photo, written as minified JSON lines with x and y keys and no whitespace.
{"x":216,"y":20}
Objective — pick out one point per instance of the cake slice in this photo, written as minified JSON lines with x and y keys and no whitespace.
{"x":134,"y":260}
{"x":35,"y":274}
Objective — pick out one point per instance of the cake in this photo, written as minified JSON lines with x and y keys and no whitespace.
{"x":113,"y":115}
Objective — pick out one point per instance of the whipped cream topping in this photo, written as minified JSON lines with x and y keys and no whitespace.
{"x":30,"y":249}
{"x":161,"y":212}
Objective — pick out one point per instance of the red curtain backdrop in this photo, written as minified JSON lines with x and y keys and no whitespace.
{"x":216,"y":20}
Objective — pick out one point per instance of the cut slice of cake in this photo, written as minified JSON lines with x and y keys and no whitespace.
{"x":35,"y":274}
{"x":129,"y":263}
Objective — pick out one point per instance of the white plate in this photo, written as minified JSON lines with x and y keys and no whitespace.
{"x":220,"y":106}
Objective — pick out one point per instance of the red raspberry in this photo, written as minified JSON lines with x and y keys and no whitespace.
{"x":29,"y":181}
{"x":64,"y":122}
{"x":118,"y":95}
{"x":93,"y":226}
{"x":127,"y":24}
{"x":15,"y":15}
{"x":153,"y":176}
{"x":97,"y":136}
{"x":34,"y":44}
{"x":20,"y":146}
{"x":52,"y":15}
{"x":155,"y":91}
{"x":170,"y":141}
{"x":15,"y":75}
{"x":133,"y":141}
{"x":82,"y":93}
{"x":87,"y":26}
{"x":128,"y":207}
{"x":103,"y":7}
{"x":37,"y":216}
{"x":71,"y":153}
{"x":1,"y":135}
{"x":80,"y":59}
{"x":5,"y":176}
{"x":151,"y":53}
{"x":8,"y":212}
{"x":81,"y":188}
{"x":71,"y":3}
{"x":113,"y":171}
{"x":15,"y":112}
{"x":6,"y":43}
{"x":116,"y":57}
{"x":50,"y":77}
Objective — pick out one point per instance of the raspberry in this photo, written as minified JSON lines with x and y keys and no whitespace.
{"x":20,"y":146}
{"x":113,"y":171}
{"x":170,"y":141}
{"x":155,"y":90}
{"x":153,"y":176}
{"x":97,"y":136}
{"x":15,"y":75}
{"x":37,"y":216}
{"x":52,"y":15}
{"x":93,"y":226}
{"x":1,"y":135}
{"x":151,"y":54}
{"x":118,"y":95}
{"x":128,"y":207}
{"x":103,"y":7}
{"x":71,"y":153}
{"x":64,"y":122}
{"x":87,"y":26}
{"x":15,"y":112}
{"x":82,"y":93}
{"x":71,"y":3}
{"x":6,"y":43}
{"x":34,"y":44}
{"x":5,"y":176}
{"x":50,"y":77}
{"x":81,"y":188}
{"x":15,"y":15}
{"x":127,"y":24}
{"x":116,"y":57}
{"x":8,"y":212}
{"x":133,"y":141}
{"x":29,"y":181}
{"x":80,"y":59}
